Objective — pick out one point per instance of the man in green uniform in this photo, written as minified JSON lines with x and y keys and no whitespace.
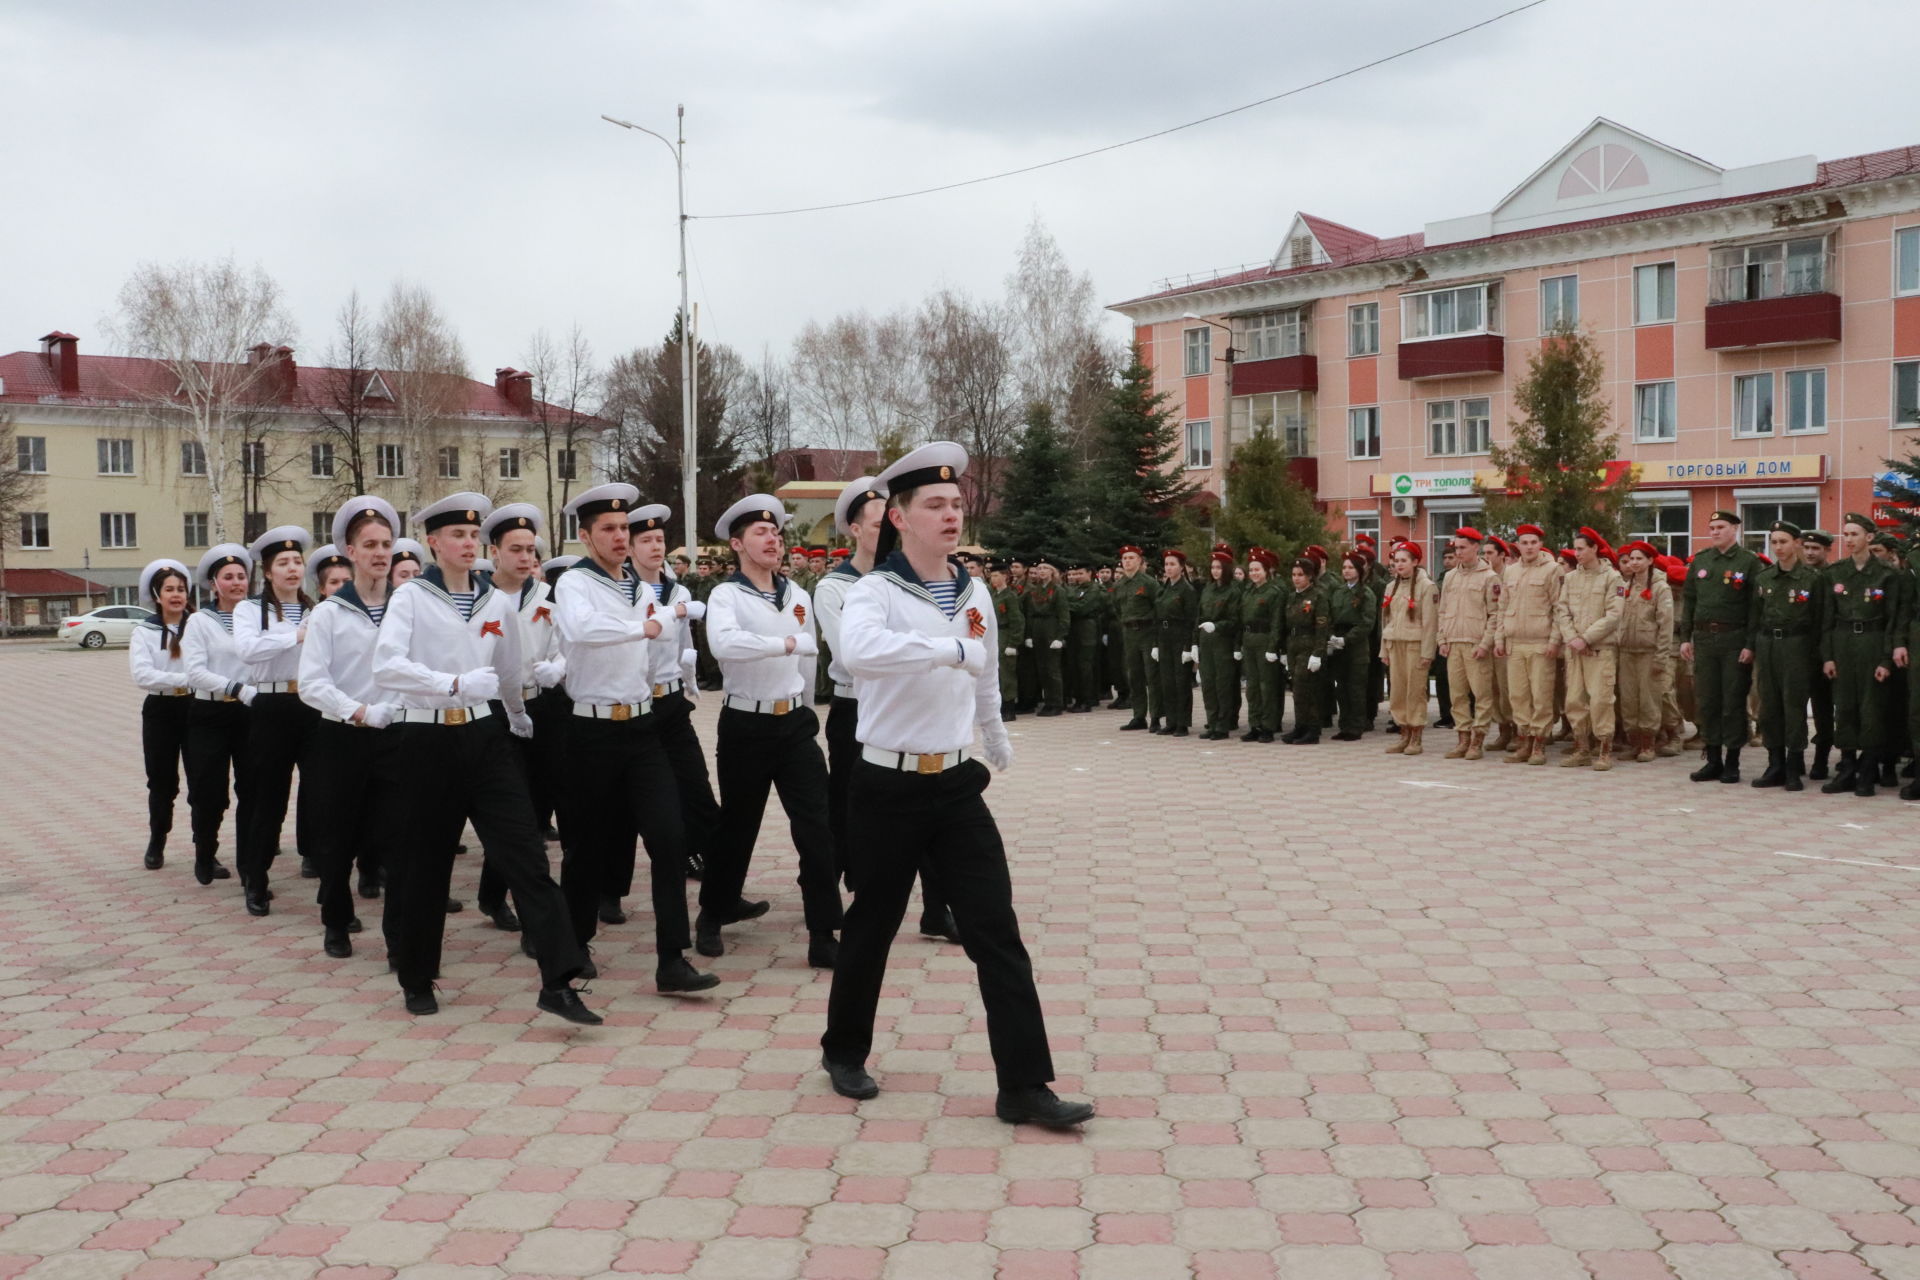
{"x":1113,"y":657}
{"x":1859,"y":653}
{"x":1816,"y":550}
{"x":798,"y":570}
{"x":1134,"y":593}
{"x":1306,"y":624}
{"x":706,"y":670}
{"x":1791,"y":614}
{"x":1219,"y":640}
{"x":1893,"y":722}
{"x":1259,"y":651}
{"x":1011,"y":618}
{"x":1086,"y":623}
{"x":1046,"y":603}
{"x":1174,"y":611}
{"x":1719,"y":610}
{"x":1020,"y":579}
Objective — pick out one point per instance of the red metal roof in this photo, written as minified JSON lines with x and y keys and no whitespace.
{"x":50,"y":582}
{"x":1356,"y":247}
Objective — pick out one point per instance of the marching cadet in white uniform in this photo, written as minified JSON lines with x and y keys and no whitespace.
{"x":448,"y":645}
{"x":920,"y":638}
{"x":219,"y":720}
{"x":409,"y":559}
{"x":350,"y":748}
{"x":671,"y":661}
{"x":623,"y":787}
{"x":159,"y":670}
{"x":328,"y":570}
{"x":267,"y":632}
{"x":760,"y":628}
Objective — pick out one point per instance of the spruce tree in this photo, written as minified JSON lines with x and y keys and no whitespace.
{"x":1134,"y":483}
{"x":1561,"y":446}
{"x":1899,"y":491}
{"x":1266,"y":506}
{"x":1035,"y":517}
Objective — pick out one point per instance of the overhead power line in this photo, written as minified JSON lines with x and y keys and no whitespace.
{"x":1145,"y":137}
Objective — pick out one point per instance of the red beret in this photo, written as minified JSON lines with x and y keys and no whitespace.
{"x":1566,"y":553}
{"x":1317,"y":551}
{"x":1174,"y":553}
{"x":1223,"y":555}
{"x":1130,"y":547}
{"x":1533,"y":529}
{"x":1643,"y":547}
{"x":1411,"y":548}
{"x":1470,"y":533}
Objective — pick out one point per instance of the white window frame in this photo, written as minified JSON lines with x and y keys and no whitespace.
{"x":1671,"y":387}
{"x":1289,"y":420}
{"x":193,"y":458}
{"x":115,"y":455}
{"x":188,"y":534}
{"x":1661,"y":500}
{"x":1197,"y":351}
{"x":569,"y":526}
{"x":321,"y":461}
{"x":1906,"y":254}
{"x":1731,"y":270}
{"x":447,"y":462}
{"x":390,"y":461}
{"x":1909,"y":372}
{"x":1673,"y":293}
{"x":36,"y":531}
{"x":1366,"y":326}
{"x":1458,"y":415}
{"x":1786,"y":381}
{"x":1420,"y":313}
{"x":1199,"y":458}
{"x":566,"y":464}
{"x":119,"y":530}
{"x":1359,"y":522}
{"x":30,"y":455}
{"x":509,"y":463}
{"x":1353,"y":429}
{"x":1741,"y":429}
{"x":1274,"y":335}
{"x":1549,"y":320}
{"x":1753,"y":533}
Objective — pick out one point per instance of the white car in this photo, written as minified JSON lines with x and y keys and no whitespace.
{"x":113,"y":624}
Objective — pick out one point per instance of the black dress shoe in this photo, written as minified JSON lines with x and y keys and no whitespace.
{"x":850,"y":1081}
{"x":1131,"y":725}
{"x":1177,"y":733}
{"x":156,"y":857}
{"x":420,"y":1002}
{"x":1290,"y":734}
{"x":503,"y":919}
{"x":1040,"y":1105}
{"x":1251,"y":735}
{"x":706,"y":936}
{"x":1120,"y":704}
{"x":1046,"y":712}
{"x":1911,"y":791}
{"x":565,"y":1002}
{"x":823,"y":950}
{"x":589,"y":971}
{"x":308,"y":871}
{"x":258,"y":901}
{"x":1007,"y":713}
{"x":1346,"y":735}
{"x":369,"y":884}
{"x":455,"y":906}
{"x":354,"y":925}
{"x":219,"y":872}
{"x":1311,"y":738}
{"x":610,"y":912}
{"x":676,"y":977}
{"x":338,"y":944}
{"x":940,"y":926}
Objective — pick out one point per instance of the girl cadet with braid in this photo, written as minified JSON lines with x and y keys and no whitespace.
{"x":218,"y":723}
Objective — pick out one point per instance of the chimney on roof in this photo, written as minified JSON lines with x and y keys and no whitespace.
{"x":283,"y":377}
{"x":516,"y":387}
{"x":62,"y":353}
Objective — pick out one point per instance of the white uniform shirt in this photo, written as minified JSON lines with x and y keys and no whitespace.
{"x":748,"y":635}
{"x":213,"y":665}
{"x":667,"y":658}
{"x":272,"y":653}
{"x":336,"y":662}
{"x":603,"y":635}
{"x":424,"y":644}
{"x":901,"y":650}
{"x":154,"y":667}
{"x":830,"y":597}
{"x":539,"y":632}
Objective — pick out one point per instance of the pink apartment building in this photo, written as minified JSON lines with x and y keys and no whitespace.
{"x":1761,"y":327}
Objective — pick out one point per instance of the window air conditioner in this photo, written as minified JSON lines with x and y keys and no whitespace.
{"x":1406,"y":508}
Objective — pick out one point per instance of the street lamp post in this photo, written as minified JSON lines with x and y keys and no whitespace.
{"x":689,"y":435}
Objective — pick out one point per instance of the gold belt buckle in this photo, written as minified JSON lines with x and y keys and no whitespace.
{"x":783,"y":706}
{"x":622,"y":712}
{"x":293,"y":686}
{"x":659,"y":691}
{"x":930,"y":764}
{"x":179,"y":692}
{"x":454,"y":715}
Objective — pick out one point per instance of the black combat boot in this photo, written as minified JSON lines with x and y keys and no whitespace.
{"x":1731,"y":773}
{"x":1712,"y":769}
{"x":1819,"y":771}
{"x":1796,"y":770}
{"x":1775,"y":774}
{"x":1842,"y":780}
{"x":1865,"y":776}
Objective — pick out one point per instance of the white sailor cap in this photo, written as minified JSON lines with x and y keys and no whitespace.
{"x":286,"y":537}
{"x":152,"y":571}
{"x":408,"y":549}
{"x":455,"y":508}
{"x":550,"y":567}
{"x":355,"y":507}
{"x":856,"y":494}
{"x":217,"y":558}
{"x":751,"y":509}
{"x":515,"y":515}
{"x":540,"y":547}
{"x":483,"y":565}
{"x":652,"y":516}
{"x":589,"y":505}
{"x":942,"y":462}
{"x":324,"y":559}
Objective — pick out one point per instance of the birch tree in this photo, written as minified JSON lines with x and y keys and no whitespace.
{"x":567,"y":385}
{"x":425,"y":367}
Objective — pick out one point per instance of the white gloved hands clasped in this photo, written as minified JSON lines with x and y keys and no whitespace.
{"x":247,"y":694}
{"x":1273,"y":657}
{"x":1238,"y":654}
{"x":998,"y":747}
{"x":694,"y":610}
{"x":973,"y":657}
{"x":1313,"y":662}
{"x":548,"y":674}
{"x":1336,"y":643}
{"x":378,"y":715}
{"x":1207,"y":627}
{"x":478,"y":685}
{"x":804,"y":645}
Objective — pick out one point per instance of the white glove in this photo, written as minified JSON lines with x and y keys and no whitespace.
{"x":1154,"y":654}
{"x":1238,"y":654}
{"x":379,"y":715}
{"x":1273,"y":657}
{"x":689,"y":657}
{"x":999,"y":748}
{"x":1011,"y":651}
{"x":1029,"y":642}
{"x":1207,"y":627}
{"x":247,"y":694}
{"x":804,"y":646}
{"x":1313,"y":662}
{"x":695,"y":610}
{"x":1057,"y":644}
{"x":973,"y":657}
{"x":1336,"y":643}
{"x":478,"y":685}
{"x":521,"y":723}
{"x":1103,"y":639}
{"x":1193,"y":654}
{"x":549,"y":674}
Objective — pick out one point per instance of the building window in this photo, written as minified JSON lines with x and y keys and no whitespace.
{"x":1559,"y":303}
{"x":1458,"y":427}
{"x":1755,"y":518}
{"x":323,"y":528}
{"x":1780,"y":269}
{"x":1363,"y":432}
{"x":124,"y":596}
{"x":1667,"y":525}
{"x":1199,"y":351}
{"x":193,"y":458}
{"x":1276,"y":334}
{"x":253,"y":524}
{"x":1450,"y":313}
{"x":1906,"y":260}
{"x":1806,"y":401}
{"x":390,"y":461}
{"x":1655,"y":416}
{"x":1363,"y":329}
{"x":565,"y":465}
{"x":1199,"y":444}
{"x":1653,"y":301}
{"x":1906,"y":393}
{"x":509,"y":464}
{"x":35,"y":533}
{"x":449,"y":464}
{"x":569,"y":526}
{"x":1442,"y":525}
{"x":116,"y":457}
{"x":253,"y":458}
{"x":1359,"y":522}
{"x":30,"y":455}
{"x":1753,"y":404}
{"x":320,"y":460}
{"x":1279,"y":413}
{"x":193,"y":529}
{"x":117,"y":529}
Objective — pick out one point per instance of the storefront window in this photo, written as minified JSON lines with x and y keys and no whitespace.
{"x":1758,"y":515}
{"x":1664,"y":524}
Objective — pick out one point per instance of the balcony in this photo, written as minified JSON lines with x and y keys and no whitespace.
{"x":1307,"y":471}
{"x":1791,"y":320}
{"x":1283,"y":373}
{"x":1772,"y":295}
{"x":1452,"y":357}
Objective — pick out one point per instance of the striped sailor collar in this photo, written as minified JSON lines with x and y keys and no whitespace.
{"x":350,"y":599}
{"x":435,"y":584}
{"x":597,"y":572}
{"x":152,"y":624}
{"x":780,"y":583}
{"x":845,"y":569}
{"x":896,"y":570}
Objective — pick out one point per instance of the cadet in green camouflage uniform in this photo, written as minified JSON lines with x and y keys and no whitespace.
{"x":1305,"y":626}
{"x":1134,"y":592}
{"x":1352,"y":610}
{"x":1858,"y":653}
{"x":1816,"y":548}
{"x":1219,"y":639}
{"x":1011,"y":618}
{"x":1046,"y":603}
{"x":1174,"y":611}
{"x":1792,"y":614}
{"x":1719,"y":609}
{"x":1087,"y":609}
{"x":1260,"y":603}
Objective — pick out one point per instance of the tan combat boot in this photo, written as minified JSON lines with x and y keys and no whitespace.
{"x":1413,"y":742}
{"x":1644,"y":753}
{"x":1459,"y":752}
{"x":1398,"y":748}
{"x":1579,"y":757}
{"x":1667,"y":745}
{"x":1522,"y":750}
{"x":1539,"y":755}
{"x":1474,"y":741}
{"x":1503,"y":739}
{"x":1603,"y":756}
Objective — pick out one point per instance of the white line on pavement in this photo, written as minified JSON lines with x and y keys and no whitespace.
{"x":1852,"y":862}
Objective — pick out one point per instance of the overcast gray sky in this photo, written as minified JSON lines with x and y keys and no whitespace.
{"x":459,"y":145}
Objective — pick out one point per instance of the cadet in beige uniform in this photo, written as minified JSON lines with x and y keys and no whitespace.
{"x":1525,"y":639}
{"x":1409,"y":637}
{"x":1646,"y":632}
{"x":1592,"y":598}
{"x":1469,"y":598}
{"x":1497,"y":554}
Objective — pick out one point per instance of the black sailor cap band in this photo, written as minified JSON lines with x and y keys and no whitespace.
{"x":222,"y":563}
{"x":591,"y":511}
{"x":441,"y":519}
{"x":914,"y":479}
{"x":746,"y":518}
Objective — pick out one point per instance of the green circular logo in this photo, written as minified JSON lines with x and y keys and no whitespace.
{"x":1403,"y":485}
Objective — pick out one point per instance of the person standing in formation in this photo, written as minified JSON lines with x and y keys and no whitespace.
{"x":1524,"y":639}
{"x":1353,"y":612}
{"x":217,"y":727}
{"x":1718,"y":612}
{"x":1815,"y":549}
{"x":1135,"y":592}
{"x":267,"y":633}
{"x":1259,"y":654}
{"x":1409,"y":626}
{"x":1859,"y":653}
{"x":1012,"y":616}
{"x":1646,"y":631}
{"x":1087,"y":607}
{"x":1469,"y":599}
{"x":1592,"y":599}
{"x":1306,"y":626}
{"x":159,"y":671}
{"x":1173,"y":615}
{"x":1046,"y":608}
{"x":1219,"y":614}
{"x":1785,"y":650}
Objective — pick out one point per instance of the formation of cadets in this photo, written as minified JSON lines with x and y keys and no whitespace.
{"x":419,"y":687}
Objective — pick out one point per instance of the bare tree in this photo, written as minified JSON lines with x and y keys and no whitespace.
{"x":18,"y":489}
{"x":1055,"y":316}
{"x":566,"y":388}
{"x":207,"y":325}
{"x":857,"y":378}
{"x":762,"y":406}
{"x":967,"y":353}
{"x":425,"y":367}
{"x":353,"y":397}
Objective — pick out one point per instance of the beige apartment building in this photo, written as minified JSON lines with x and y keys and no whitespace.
{"x":125,"y":479}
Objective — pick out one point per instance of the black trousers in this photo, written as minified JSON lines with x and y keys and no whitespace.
{"x":457,"y":773}
{"x":756,"y":752}
{"x":281,"y":740}
{"x":843,"y":757}
{"x":347,"y":771}
{"x":938,"y":823}
{"x":699,"y":810}
{"x":217,"y":747}
{"x":544,"y":758}
{"x":623,"y":792}
{"x":163,"y":744}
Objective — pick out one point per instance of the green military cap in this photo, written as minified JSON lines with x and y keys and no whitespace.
{"x":1854,"y":517}
{"x":1820,"y":536}
{"x":1731,"y":517}
{"x":1787,"y":527}
{"x":1888,"y":541}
